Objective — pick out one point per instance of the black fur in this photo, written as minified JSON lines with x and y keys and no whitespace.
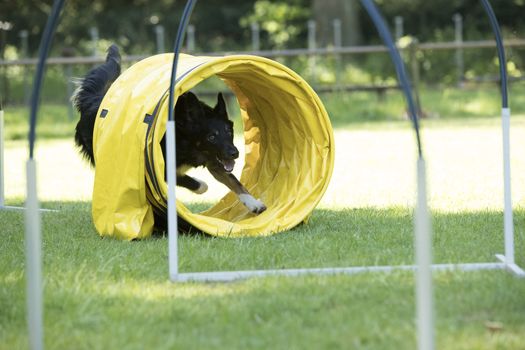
{"x":89,"y":95}
{"x":196,"y":122}
{"x":204,"y":135}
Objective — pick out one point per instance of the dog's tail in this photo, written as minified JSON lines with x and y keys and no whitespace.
{"x":88,"y":97}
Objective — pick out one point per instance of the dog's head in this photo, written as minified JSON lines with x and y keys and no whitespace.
{"x":209,"y":129}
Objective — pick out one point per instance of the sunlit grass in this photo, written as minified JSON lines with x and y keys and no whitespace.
{"x":355,"y":110}
{"x":108,"y":294}
{"x":98,"y":290}
{"x":441,"y":103}
{"x":372,"y":167}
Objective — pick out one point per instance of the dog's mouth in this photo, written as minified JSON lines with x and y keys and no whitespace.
{"x":227,"y":164}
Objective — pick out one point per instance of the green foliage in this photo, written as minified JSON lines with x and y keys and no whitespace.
{"x":130,"y":24}
{"x":432,"y":20}
{"x":225,"y":26}
{"x":283,"y":21}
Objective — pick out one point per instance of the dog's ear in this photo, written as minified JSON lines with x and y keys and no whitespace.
{"x":188,"y":107}
{"x":220,"y":107}
{"x":188,"y":112}
{"x":188,"y":101}
{"x":190,"y":98}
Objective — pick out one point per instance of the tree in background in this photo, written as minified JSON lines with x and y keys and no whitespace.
{"x":324,"y":13}
{"x":226,"y":26}
{"x":283,"y":22}
{"x":129,"y":23}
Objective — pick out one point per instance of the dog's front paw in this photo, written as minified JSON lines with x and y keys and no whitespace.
{"x":254,"y":205}
{"x":203,"y":187}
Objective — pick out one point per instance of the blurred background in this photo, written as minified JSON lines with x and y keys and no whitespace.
{"x":448,"y":48}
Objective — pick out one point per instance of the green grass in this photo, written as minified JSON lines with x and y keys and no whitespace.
{"x":108,"y":294}
{"x":438,"y":103}
{"x":53,"y":122}
{"x":347,"y":109}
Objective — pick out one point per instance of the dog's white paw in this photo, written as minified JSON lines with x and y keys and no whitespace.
{"x":203,"y":187}
{"x":254,"y":205}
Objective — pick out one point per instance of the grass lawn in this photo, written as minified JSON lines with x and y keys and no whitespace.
{"x":366,"y":109}
{"x":107,"y":294}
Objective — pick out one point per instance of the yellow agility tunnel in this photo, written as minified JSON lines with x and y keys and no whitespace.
{"x":289,"y":147}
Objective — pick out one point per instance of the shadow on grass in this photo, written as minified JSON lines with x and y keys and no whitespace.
{"x":105,"y":293}
{"x":332,"y":238}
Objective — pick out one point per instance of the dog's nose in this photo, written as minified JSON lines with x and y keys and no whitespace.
{"x":233,"y":153}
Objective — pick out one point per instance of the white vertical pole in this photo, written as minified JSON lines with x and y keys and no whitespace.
{"x":190,"y":38}
{"x":256,"y":39}
{"x":398,"y":21}
{"x":93,"y":32}
{"x":159,"y":36}
{"x":423,"y":247}
{"x":173,"y":257}
{"x":311,"y":47}
{"x":458,"y":29}
{"x":508,"y":225}
{"x":2,"y":169}
{"x":33,"y":261}
{"x":338,"y":35}
{"x":338,"y":43}
{"x":24,"y":35}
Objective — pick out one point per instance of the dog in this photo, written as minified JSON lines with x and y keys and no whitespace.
{"x":204,"y":135}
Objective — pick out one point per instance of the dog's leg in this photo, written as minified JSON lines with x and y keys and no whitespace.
{"x":254,"y":205}
{"x":192,"y":184}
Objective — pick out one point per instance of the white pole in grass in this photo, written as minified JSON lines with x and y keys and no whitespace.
{"x":229,"y":276}
{"x":508,"y":222}
{"x":171,"y":163}
{"x":2,"y":169}
{"x":173,"y":257}
{"x":34,"y":261}
{"x":423,"y":249}
{"x":508,"y":225}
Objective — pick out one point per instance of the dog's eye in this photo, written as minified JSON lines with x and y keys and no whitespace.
{"x":211,"y":138}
